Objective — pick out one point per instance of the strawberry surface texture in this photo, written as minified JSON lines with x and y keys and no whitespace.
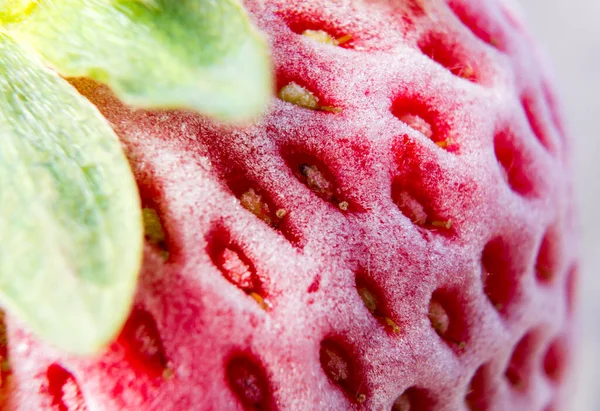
{"x":397,"y":232}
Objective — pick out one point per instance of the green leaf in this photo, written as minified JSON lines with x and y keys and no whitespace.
{"x":199,"y":54}
{"x":70,"y":218}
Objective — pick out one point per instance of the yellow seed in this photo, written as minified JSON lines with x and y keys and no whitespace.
{"x":298,"y":95}
{"x":368,"y":298}
{"x":442,"y":224}
{"x":361,"y":398}
{"x":282,"y":212}
{"x":467,"y":72}
{"x":445,"y":143}
{"x":343,"y":205}
{"x":330,"y":109}
{"x":343,"y":39}
{"x":395,"y":328}
{"x":316,"y":181}
{"x":152,"y":226}
{"x":439,"y":318}
{"x":261,"y":301}
{"x":253,"y":202}
{"x":335,"y":364}
{"x":168,"y":373}
{"x":320,"y":36}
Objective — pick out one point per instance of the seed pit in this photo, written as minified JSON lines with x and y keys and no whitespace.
{"x":511,"y":161}
{"x":236,"y":267}
{"x":315,"y":175}
{"x":341,"y":371}
{"x":449,"y":54}
{"x":478,"y":398}
{"x":417,"y":207}
{"x":247,"y":379}
{"x":532,"y":111}
{"x":547,"y":259}
{"x":496,"y":273}
{"x":415,"y":188}
{"x":143,"y":345}
{"x":64,"y":390}
{"x":447,"y":319}
{"x":426,"y":120}
{"x":414,"y":399}
{"x":260,"y":203}
{"x":372,"y":297}
{"x":556,"y":359}
{"x":479,"y":24}
{"x":520,"y":366}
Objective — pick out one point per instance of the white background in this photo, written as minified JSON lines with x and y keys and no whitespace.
{"x":569,"y":31}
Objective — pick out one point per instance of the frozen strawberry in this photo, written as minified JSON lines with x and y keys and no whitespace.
{"x":396,"y":233}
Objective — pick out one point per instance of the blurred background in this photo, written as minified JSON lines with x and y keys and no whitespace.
{"x":569,"y":31}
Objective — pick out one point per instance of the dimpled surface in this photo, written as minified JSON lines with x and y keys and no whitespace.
{"x":407,"y":242}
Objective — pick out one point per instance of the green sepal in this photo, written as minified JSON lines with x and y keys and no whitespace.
{"x":70,"y":217}
{"x":203,"y":55}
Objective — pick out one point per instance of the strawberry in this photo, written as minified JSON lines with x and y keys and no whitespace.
{"x":397,"y":232}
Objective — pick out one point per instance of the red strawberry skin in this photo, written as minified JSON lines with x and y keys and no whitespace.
{"x":408,"y":244}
